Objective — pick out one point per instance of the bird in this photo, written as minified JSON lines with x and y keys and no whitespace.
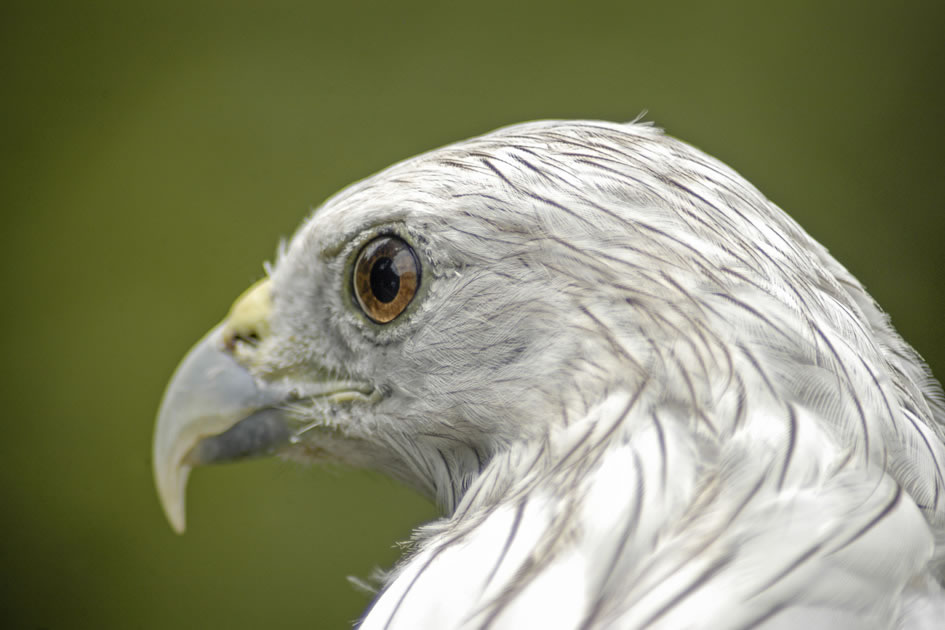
{"x":639,"y":393}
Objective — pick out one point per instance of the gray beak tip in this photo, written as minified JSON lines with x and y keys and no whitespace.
{"x":172,"y":492}
{"x":213,"y":410}
{"x":202,"y":399}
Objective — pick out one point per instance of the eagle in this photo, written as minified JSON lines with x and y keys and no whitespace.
{"x":639,"y":394}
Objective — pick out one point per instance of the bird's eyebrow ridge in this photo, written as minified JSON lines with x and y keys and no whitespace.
{"x":363,"y":233}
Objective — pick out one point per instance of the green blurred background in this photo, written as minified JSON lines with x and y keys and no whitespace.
{"x":153,"y":155}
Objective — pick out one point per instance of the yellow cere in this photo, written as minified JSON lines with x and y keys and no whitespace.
{"x":248,"y":319}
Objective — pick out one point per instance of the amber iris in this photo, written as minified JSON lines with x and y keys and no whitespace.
{"x":386,"y":277}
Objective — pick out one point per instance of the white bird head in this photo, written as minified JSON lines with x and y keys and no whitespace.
{"x":507,"y":246}
{"x":552,"y":293}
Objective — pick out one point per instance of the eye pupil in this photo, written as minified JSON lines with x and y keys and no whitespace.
{"x":385,"y":281}
{"x":385,"y":278}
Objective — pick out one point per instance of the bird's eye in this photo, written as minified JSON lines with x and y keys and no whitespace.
{"x":386,"y":277}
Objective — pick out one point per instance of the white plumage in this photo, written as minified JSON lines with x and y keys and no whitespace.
{"x":641,"y":394}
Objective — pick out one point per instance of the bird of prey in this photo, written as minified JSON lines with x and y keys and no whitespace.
{"x":639,"y":393}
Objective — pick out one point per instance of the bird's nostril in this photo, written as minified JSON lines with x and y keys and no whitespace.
{"x":249,"y":337}
{"x":248,"y":319}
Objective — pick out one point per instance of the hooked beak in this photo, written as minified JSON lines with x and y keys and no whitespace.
{"x":214,"y":410}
